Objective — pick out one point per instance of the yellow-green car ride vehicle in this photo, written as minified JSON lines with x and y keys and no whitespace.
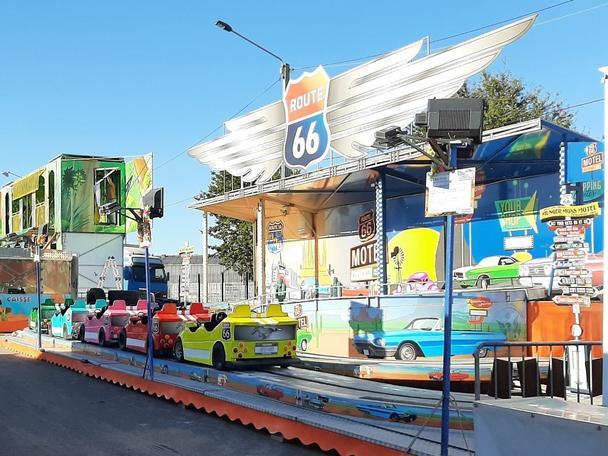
{"x":240,"y":338}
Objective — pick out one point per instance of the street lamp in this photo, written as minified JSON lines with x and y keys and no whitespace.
{"x":285,"y":68}
{"x":10,"y":173}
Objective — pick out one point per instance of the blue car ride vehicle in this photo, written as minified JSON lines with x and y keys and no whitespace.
{"x":423,"y":337}
{"x":68,"y":318}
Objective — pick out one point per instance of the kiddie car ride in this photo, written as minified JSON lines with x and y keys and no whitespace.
{"x":68,"y":318}
{"x":167,"y":323}
{"x":47,"y":310}
{"x":422,"y":337}
{"x":240,"y":338}
{"x":105,"y":324}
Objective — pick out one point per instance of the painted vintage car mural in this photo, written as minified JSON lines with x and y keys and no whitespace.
{"x":422,"y":337}
{"x":499,"y":269}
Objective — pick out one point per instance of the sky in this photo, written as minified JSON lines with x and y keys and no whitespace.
{"x":125,"y":78}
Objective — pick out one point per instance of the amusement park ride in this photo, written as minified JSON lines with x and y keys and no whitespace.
{"x":365,"y":259}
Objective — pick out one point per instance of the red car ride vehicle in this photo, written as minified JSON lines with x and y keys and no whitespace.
{"x":166,"y":325}
{"x":104,"y":325}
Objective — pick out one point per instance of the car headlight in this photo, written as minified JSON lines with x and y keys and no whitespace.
{"x":547,"y":269}
{"x":524,"y":271}
{"x":379,"y":341}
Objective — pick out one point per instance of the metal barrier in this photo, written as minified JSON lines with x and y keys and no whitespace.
{"x":558,"y":368}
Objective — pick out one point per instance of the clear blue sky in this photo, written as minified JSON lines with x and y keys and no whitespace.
{"x":120,"y":77}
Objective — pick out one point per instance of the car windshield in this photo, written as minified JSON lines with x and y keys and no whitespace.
{"x":171,"y":327}
{"x":79,"y":317}
{"x":490,"y":261}
{"x":119,"y":320}
{"x":157,"y":273}
{"x":422,"y":324}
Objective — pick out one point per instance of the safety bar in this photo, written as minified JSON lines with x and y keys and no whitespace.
{"x":483,"y":348}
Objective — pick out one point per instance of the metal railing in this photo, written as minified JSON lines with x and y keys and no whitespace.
{"x":520,"y":364}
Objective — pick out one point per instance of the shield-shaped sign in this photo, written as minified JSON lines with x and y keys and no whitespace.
{"x":305,"y":101}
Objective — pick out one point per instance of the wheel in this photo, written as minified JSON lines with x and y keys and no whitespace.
{"x":483,"y":352}
{"x":483,"y":282}
{"x":178,"y":351}
{"x":218,"y":357}
{"x":81,"y":334}
{"x":122,"y":340}
{"x":102,"y":338}
{"x":407,"y":352}
{"x":304,"y":345}
{"x":394,"y":417}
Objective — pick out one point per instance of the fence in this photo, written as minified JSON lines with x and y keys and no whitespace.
{"x":568,"y":365}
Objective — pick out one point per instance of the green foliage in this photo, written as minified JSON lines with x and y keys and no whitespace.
{"x":508,"y":101}
{"x":235,"y":250}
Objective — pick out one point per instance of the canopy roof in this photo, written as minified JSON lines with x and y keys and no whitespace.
{"x":526,"y":149}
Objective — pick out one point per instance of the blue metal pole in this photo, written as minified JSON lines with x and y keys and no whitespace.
{"x":381,"y":233}
{"x":37,"y":260}
{"x":150,"y":349}
{"x":447,"y":320}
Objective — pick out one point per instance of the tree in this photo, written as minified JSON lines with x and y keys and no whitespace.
{"x":507,"y":101}
{"x":235,"y":250}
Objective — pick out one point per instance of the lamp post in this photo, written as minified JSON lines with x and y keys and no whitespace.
{"x":8,"y":173}
{"x":285,"y":68}
{"x":604,"y":71}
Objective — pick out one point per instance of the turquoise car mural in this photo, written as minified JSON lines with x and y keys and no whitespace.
{"x":422,"y":337}
{"x":68,"y":318}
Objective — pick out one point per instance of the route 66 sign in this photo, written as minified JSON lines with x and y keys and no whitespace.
{"x":305,"y":100}
{"x":226,"y":331}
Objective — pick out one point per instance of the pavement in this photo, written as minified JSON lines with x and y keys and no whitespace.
{"x":48,"y":410}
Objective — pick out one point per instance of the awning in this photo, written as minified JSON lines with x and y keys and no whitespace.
{"x":27,"y":185}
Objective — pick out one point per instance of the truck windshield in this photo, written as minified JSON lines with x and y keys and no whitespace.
{"x":157,"y":273}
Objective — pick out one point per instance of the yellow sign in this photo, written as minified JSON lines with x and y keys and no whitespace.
{"x":557,"y":212}
{"x":27,"y":185}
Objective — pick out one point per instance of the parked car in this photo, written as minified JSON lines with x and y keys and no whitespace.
{"x":240,"y":338}
{"x":167,"y":323}
{"x":104,"y":325}
{"x":422,"y":337}
{"x":537,"y":273}
{"x":68,"y":318}
{"x":489,"y":271}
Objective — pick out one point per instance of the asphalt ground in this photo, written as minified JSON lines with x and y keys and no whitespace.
{"x":49,"y":410}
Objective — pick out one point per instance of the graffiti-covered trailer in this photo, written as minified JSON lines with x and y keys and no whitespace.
{"x":18,"y":278}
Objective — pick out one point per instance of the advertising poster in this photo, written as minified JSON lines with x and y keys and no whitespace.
{"x":138,"y":183}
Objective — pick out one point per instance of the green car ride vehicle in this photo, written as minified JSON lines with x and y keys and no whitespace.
{"x":489,"y":271}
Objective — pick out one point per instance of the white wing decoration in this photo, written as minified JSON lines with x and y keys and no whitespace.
{"x":253,"y":146}
{"x":390,"y":91}
{"x":387,"y":91}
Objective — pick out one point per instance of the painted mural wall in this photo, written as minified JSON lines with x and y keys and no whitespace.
{"x":85,"y":186}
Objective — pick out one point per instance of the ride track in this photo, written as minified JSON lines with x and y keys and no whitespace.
{"x":338,"y":420}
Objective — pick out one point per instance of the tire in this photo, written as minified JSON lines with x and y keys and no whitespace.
{"x":81,"y":334}
{"x":122,"y":340}
{"x":178,"y":350}
{"x":218,"y":357}
{"x":407,"y":351}
{"x":483,"y":282}
{"x":394,"y":417}
{"x":101,"y":338}
{"x":483,"y":352}
{"x":304,"y":345}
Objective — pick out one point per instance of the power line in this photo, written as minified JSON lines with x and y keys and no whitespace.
{"x":540,"y":10}
{"x":218,"y":127}
{"x":582,"y":104}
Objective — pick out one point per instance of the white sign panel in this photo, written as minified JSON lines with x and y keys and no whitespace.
{"x":519,"y":243}
{"x":450,"y":193}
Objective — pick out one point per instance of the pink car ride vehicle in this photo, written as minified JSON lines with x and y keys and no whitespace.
{"x":417,"y":282}
{"x":103,"y":326}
